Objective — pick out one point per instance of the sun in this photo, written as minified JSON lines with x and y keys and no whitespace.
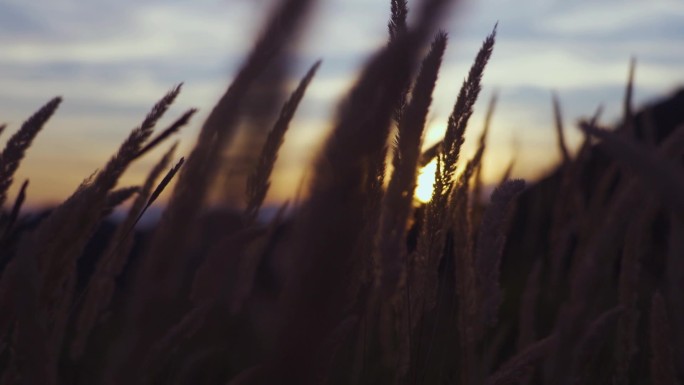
{"x":425,"y":182}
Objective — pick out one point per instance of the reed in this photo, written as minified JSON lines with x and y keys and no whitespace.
{"x":14,"y":214}
{"x":160,"y":274}
{"x":490,"y":243}
{"x":101,"y":286}
{"x":258,"y":183}
{"x":477,"y":187}
{"x":662,"y":357}
{"x":398,"y":199}
{"x":17,"y":145}
{"x":546,"y":282}
{"x":558,"y":117}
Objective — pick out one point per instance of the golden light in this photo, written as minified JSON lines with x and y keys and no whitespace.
{"x":425,"y":182}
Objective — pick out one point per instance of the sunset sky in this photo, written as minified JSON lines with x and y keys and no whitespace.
{"x":111,"y":60}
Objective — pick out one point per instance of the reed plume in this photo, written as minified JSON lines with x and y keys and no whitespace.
{"x":159,"y":277}
{"x":17,"y":145}
{"x":101,"y":287}
{"x":59,"y":240}
{"x":162,"y":264}
{"x":398,"y":199}
{"x":431,"y":241}
{"x":463,"y":109}
{"x":258,"y":182}
{"x":335,"y":211}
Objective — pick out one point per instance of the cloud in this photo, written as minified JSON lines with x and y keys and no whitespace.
{"x":617,"y":19}
{"x":16,"y":21}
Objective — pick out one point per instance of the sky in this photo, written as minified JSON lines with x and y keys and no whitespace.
{"x":112,"y":60}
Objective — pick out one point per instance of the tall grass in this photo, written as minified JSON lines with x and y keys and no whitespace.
{"x":572,"y":279}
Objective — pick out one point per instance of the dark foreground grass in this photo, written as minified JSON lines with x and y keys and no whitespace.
{"x":575,"y":279}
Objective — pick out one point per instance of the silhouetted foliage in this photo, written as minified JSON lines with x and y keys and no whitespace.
{"x":577,"y":278}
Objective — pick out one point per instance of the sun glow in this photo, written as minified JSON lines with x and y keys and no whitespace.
{"x":425,"y":182}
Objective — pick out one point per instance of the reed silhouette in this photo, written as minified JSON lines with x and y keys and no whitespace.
{"x":577,"y":278}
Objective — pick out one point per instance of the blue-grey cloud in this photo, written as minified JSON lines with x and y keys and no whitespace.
{"x":16,"y":21}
